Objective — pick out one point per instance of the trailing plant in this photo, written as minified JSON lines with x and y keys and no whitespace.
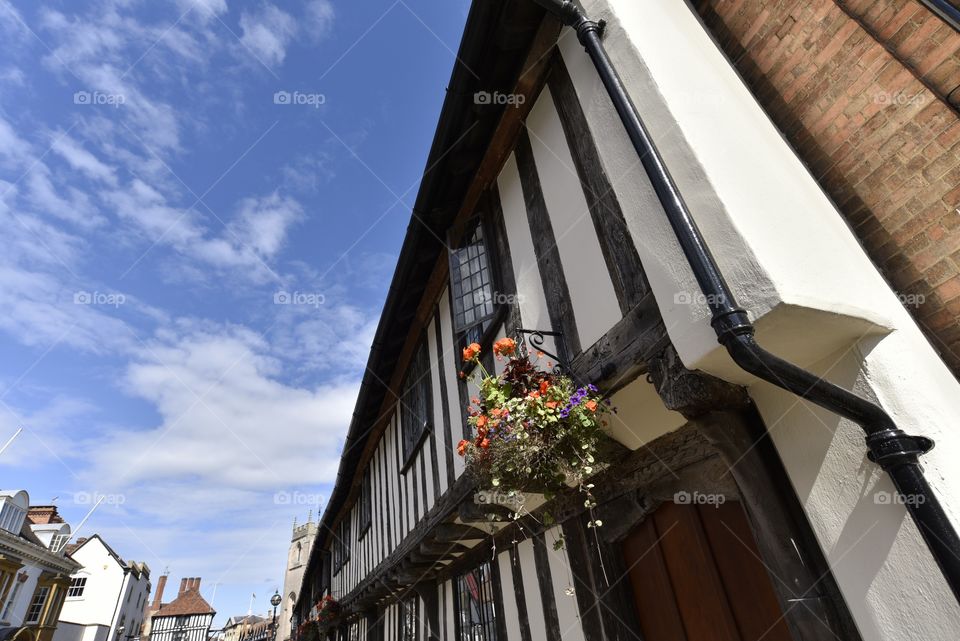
{"x":328,"y":610}
{"x":534,"y":430}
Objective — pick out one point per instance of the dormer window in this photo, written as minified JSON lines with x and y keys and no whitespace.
{"x":58,"y":541}
{"x":13,"y":510}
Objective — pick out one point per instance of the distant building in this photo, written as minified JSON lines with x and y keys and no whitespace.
{"x":34,"y":578}
{"x":49,"y":526}
{"x":186,"y":618}
{"x":300,"y":545}
{"x":248,"y":628}
{"x":106,"y":597}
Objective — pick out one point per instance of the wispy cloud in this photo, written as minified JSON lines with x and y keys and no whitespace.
{"x":267,"y":32}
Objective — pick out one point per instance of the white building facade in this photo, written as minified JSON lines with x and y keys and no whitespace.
{"x":536,"y":213}
{"x":33,"y":578}
{"x":107,"y":596}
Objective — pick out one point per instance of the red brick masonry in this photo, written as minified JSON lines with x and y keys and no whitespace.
{"x":867,"y":93}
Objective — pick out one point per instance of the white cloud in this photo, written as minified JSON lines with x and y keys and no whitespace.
{"x":75,"y":208}
{"x":12,"y":146}
{"x":82,"y":159}
{"x":267,"y":33}
{"x":262,"y":223}
{"x":253,"y":236}
{"x":204,"y":9}
{"x":319,"y":19}
{"x":226,"y":419}
{"x":12,"y":75}
{"x":40,"y":311}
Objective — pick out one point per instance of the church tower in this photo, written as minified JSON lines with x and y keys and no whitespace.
{"x":297,"y":557}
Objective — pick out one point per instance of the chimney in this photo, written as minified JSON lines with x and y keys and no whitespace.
{"x":184,"y":584}
{"x":196,"y":583}
{"x":161,"y":583}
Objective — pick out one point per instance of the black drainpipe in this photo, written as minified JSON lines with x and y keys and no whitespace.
{"x":892,"y":449}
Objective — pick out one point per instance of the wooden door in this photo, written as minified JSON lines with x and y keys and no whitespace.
{"x":697,"y":576}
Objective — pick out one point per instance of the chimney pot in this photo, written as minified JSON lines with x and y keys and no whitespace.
{"x":196,"y":583}
{"x":161,"y":583}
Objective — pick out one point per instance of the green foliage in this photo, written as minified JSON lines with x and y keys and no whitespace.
{"x":534,"y":430}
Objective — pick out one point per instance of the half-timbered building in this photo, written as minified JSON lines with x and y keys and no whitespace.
{"x":187,"y":618}
{"x":732,"y":508}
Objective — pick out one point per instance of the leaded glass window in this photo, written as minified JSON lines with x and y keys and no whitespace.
{"x":477,"y":612}
{"x":415,"y":401}
{"x":472,"y":282}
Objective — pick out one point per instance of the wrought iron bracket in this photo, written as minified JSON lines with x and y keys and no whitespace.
{"x":536,"y":339}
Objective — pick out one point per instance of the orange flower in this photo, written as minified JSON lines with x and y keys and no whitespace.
{"x":471,"y":351}
{"x":544,"y":386}
{"x":591,"y":405}
{"x":481,"y":420}
{"x":485,"y":443}
{"x":505,"y":347}
{"x":496,"y":412}
{"x":462,"y":447}
{"x":534,"y":394}
{"x":551,"y":404}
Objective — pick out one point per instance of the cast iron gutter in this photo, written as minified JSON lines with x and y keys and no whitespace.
{"x":892,"y":449}
{"x":947,"y":12}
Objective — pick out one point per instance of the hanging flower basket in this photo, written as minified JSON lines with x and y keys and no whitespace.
{"x":328,"y":610}
{"x":535,"y":430}
{"x":308,"y":631}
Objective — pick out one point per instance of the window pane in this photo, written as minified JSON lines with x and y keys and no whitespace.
{"x":415,"y":401}
{"x":478,"y":614}
{"x":470,"y":281}
{"x":36,"y":604}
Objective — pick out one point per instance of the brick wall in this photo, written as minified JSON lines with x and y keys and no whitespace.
{"x":867,"y":93}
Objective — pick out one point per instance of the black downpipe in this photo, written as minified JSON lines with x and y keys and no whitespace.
{"x":892,"y":449}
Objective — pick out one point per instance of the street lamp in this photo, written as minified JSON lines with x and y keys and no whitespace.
{"x":275,"y":601}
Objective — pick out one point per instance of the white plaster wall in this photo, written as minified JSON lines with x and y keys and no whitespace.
{"x":640,"y":416}
{"x":591,"y":292}
{"x":104,"y":582}
{"x":564,"y":590}
{"x":811,"y":289}
{"x":530,"y":296}
{"x":453,"y":395}
{"x":531,"y":590}
{"x":19,"y":610}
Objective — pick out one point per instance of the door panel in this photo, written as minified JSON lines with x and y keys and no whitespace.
{"x":697,"y":576}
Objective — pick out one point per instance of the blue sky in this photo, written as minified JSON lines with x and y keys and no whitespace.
{"x":202,"y":203}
